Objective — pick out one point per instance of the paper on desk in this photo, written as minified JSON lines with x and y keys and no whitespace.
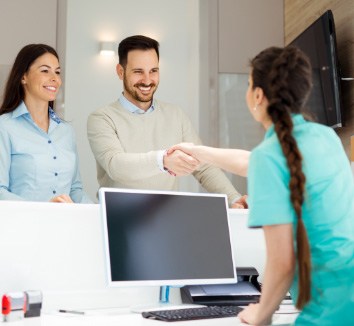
{"x":241,"y":288}
{"x":287,"y":309}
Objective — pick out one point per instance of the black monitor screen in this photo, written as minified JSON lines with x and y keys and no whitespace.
{"x":166,"y":238}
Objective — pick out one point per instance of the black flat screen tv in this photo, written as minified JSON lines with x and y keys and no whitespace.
{"x":318,"y":41}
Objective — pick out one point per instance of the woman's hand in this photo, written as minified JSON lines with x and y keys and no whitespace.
{"x":188,"y":148}
{"x":61,"y":199}
{"x":250,"y":315}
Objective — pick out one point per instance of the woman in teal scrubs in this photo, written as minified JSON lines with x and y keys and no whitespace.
{"x":301,"y":192}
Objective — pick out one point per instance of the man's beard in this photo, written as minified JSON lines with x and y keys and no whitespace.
{"x":134,"y":93}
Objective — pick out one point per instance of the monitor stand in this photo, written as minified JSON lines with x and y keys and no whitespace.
{"x":163,"y":304}
{"x":164,"y":294}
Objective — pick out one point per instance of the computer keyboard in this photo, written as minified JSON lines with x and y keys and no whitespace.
{"x":193,"y":313}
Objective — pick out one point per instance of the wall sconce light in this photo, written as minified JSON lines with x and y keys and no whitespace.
{"x":107,"y":48}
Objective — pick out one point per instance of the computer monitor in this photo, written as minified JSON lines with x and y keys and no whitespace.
{"x":166,"y":238}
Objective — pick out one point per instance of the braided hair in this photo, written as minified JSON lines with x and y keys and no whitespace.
{"x":284,"y":75}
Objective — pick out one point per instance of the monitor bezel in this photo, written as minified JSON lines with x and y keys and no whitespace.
{"x":171,"y":282}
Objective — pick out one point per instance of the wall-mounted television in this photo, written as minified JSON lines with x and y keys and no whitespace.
{"x":318,"y":41}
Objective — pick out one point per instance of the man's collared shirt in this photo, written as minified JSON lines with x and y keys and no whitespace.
{"x":133,"y":108}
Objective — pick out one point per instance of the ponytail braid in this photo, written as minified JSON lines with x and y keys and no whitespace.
{"x":279,"y":110}
{"x":285,"y":77}
{"x":283,"y":128}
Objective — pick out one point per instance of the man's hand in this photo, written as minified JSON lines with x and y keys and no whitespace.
{"x":240,"y":203}
{"x":180,"y":163}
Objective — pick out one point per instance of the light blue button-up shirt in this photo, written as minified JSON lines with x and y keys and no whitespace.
{"x":133,"y":108}
{"x":35,"y":165}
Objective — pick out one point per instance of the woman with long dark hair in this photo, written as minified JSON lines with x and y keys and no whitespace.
{"x":301,"y":192}
{"x":38,"y":157}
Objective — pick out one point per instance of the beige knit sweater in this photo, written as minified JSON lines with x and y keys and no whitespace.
{"x":125,"y":147}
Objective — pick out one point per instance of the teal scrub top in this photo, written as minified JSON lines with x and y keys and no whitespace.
{"x":328,"y":214}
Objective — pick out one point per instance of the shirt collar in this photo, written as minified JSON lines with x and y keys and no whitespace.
{"x":53,"y":115}
{"x":22,"y":110}
{"x":297,"y":120}
{"x":132,"y":108}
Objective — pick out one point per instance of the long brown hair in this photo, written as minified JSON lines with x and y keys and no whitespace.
{"x":14,"y":93}
{"x":284,"y":74}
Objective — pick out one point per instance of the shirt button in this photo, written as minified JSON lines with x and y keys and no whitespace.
{"x":55,"y":174}
{"x":54,"y":157}
{"x":49,"y":141}
{"x":54,"y":192}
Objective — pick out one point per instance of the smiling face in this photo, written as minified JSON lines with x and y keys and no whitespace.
{"x":42,"y":80}
{"x":140,"y":77}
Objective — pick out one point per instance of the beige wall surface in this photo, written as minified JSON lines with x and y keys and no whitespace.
{"x":246,"y":27}
{"x":231,"y":33}
{"x":299,"y":14}
{"x":24,"y":22}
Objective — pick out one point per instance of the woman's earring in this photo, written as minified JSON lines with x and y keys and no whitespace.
{"x":255,"y":108}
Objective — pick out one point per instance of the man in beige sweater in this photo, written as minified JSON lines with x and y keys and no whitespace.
{"x":129,"y":137}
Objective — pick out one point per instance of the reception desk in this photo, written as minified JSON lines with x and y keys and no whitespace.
{"x":58,"y":249}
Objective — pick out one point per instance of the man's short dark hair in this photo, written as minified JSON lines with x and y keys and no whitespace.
{"x":136,"y":42}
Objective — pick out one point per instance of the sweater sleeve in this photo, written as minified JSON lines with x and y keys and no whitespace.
{"x":214,"y":180}
{"x":109,"y":152}
{"x":211,"y":178}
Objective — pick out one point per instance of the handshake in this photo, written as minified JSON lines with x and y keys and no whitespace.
{"x":184,"y":158}
{"x":181,"y":160}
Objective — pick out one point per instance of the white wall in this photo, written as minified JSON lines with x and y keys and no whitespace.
{"x":90,"y":80}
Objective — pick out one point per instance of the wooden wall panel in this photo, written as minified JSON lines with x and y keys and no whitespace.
{"x":299,"y":14}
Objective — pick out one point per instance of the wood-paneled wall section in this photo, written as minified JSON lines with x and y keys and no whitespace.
{"x":298,"y":15}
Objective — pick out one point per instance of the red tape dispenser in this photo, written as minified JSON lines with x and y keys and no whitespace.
{"x":13,"y":306}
